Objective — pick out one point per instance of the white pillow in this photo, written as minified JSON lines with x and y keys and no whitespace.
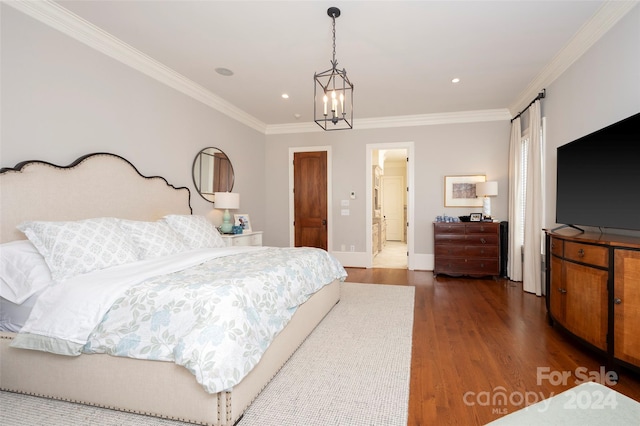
{"x":23,"y":271}
{"x":79,"y":247}
{"x":196,"y":231}
{"x":153,"y":239}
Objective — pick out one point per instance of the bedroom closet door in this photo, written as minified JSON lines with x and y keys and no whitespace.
{"x":310,"y":199}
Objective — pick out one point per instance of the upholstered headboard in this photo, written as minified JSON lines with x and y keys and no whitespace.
{"x":95,"y":185}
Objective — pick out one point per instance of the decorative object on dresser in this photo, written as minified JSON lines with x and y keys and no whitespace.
{"x":466,"y":248}
{"x":226,"y":201}
{"x":486,"y":190}
{"x":593,"y":291}
{"x":475,"y":217}
{"x":460,"y":191}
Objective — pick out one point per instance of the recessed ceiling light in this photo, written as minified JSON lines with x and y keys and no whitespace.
{"x":285,"y":96}
{"x":455,"y":80}
{"x":224,"y":71}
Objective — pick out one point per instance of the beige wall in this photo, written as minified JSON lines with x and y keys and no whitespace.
{"x":602,"y":87}
{"x":440,"y":150}
{"x":62,"y":99}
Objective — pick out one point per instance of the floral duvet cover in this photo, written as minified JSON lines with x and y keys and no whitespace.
{"x":216,"y":318}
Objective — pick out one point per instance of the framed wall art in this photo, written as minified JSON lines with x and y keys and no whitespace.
{"x":460,"y":191}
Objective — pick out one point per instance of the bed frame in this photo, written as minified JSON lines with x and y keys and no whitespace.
{"x":106,"y":185}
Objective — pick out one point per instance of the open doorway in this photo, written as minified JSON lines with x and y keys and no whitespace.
{"x":391,"y":195}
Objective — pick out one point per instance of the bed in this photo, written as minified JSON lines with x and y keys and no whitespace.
{"x":104,"y":185}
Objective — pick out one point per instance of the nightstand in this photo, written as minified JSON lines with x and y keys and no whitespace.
{"x":246,"y":239}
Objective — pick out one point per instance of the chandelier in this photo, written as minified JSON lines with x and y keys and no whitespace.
{"x":333,"y":92}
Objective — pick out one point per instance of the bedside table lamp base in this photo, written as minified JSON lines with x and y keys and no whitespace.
{"x":227,"y":226}
{"x":226,"y":201}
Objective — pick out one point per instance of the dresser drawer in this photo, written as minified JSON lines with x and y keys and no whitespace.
{"x":481,"y":251}
{"x":450,"y":239}
{"x":482,"y":228}
{"x":449,"y":228}
{"x":587,"y":253}
{"x":450,"y":250}
{"x":557,"y":246}
{"x":479,"y":239}
{"x":483,"y":266}
{"x":463,"y":266}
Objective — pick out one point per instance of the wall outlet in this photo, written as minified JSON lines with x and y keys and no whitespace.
{"x":352,"y":248}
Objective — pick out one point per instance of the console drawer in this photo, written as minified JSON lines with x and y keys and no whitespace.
{"x":587,"y":253}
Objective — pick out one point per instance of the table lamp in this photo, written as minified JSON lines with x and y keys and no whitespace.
{"x":226,"y":201}
{"x":486,"y":190}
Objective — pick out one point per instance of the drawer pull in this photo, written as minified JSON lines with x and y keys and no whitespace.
{"x":562,"y":291}
{"x":481,"y":228}
{"x":617,"y":301}
{"x":581,"y":253}
{"x":483,"y":241}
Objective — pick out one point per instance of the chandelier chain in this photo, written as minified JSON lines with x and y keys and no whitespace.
{"x":334,"y":62}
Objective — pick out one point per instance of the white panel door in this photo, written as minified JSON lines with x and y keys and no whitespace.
{"x":393,"y":206}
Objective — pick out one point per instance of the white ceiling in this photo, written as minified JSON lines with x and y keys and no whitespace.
{"x":400,"y":55}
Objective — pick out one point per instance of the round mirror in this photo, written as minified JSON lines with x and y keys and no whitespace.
{"x":212,"y":172}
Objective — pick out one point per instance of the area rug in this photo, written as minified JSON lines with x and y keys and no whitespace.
{"x":354,"y":369}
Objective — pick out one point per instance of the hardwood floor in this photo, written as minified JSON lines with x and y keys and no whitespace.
{"x":475,"y":340}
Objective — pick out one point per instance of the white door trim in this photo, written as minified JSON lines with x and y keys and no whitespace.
{"x":292,"y":231}
{"x":409,"y":146}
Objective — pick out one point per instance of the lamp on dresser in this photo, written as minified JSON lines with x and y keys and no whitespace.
{"x":486,"y":190}
{"x":226,"y":201}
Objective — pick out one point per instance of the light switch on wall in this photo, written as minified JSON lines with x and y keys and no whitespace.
{"x":344,"y":203}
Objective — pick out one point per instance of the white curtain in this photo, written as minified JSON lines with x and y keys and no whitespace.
{"x":532,"y":265}
{"x":514,"y":259}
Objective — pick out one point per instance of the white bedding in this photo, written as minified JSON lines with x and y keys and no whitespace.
{"x":214,"y":311}
{"x":13,"y":315}
{"x":66,"y":313}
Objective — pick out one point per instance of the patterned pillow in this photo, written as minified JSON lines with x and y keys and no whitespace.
{"x":196,"y":231}
{"x":79,"y":247}
{"x":153,"y":239}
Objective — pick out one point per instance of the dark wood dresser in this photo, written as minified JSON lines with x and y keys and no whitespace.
{"x":467,"y":248}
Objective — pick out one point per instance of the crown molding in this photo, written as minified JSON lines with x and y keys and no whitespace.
{"x":602,"y":21}
{"x":63,"y":20}
{"x":401,"y":121}
{"x":56,"y":16}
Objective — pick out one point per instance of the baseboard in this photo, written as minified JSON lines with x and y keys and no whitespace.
{"x":354,"y":259}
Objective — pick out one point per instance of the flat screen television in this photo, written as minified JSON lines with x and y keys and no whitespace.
{"x":598,"y":180}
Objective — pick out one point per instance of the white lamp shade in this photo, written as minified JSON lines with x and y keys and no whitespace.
{"x":227,"y":200}
{"x":487,"y":189}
